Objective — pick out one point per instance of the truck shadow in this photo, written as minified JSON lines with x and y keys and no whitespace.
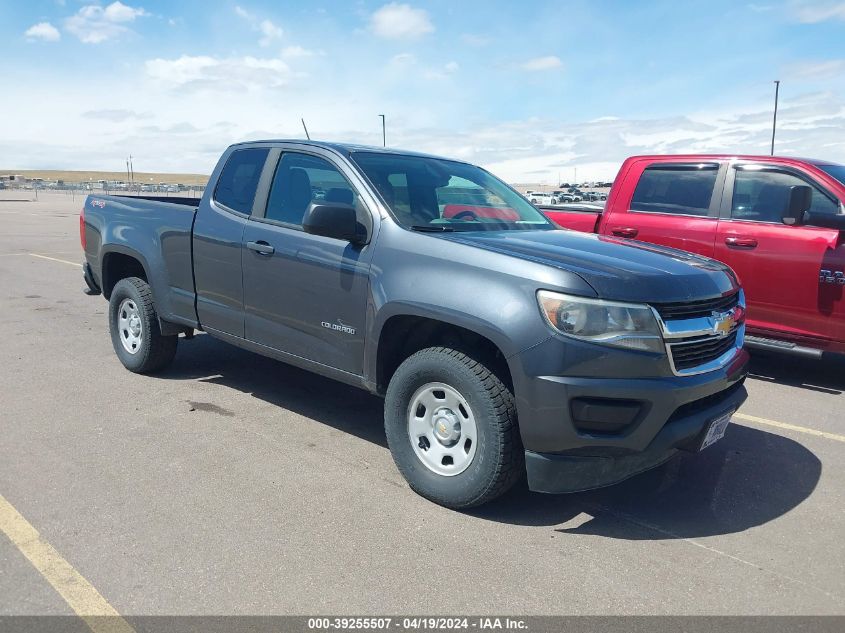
{"x":747,"y":479}
{"x":826,"y":375}
{"x":340,"y":406}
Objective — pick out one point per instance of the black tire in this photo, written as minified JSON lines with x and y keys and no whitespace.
{"x":499,"y":460}
{"x":154,"y":351}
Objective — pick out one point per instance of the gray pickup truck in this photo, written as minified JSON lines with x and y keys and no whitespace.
{"x":501,"y":345}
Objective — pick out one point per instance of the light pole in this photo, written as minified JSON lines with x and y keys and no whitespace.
{"x":383,"y":131}
{"x":775,"y":117}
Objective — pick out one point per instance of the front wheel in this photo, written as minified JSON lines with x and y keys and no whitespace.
{"x":451,"y":427}
{"x":135,"y":333}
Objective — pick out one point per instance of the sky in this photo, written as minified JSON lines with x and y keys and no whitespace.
{"x":532,"y":90}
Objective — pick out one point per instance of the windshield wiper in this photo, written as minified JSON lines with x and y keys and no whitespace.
{"x":428,"y":228}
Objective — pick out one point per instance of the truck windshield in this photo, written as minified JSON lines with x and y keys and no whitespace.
{"x":837,"y":171}
{"x":433,"y":194}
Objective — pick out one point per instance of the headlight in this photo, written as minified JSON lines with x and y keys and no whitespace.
{"x":627,"y":325}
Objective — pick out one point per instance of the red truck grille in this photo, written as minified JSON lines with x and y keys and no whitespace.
{"x":696,"y":309}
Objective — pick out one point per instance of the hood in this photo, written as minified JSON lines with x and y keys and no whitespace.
{"x":617,"y":269}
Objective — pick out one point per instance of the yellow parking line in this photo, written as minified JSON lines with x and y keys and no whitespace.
{"x":79,"y":594}
{"x":55,"y":259}
{"x":790,"y":427}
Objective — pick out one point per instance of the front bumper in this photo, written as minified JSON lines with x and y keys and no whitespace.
{"x":560,"y":473}
{"x":588,"y":418}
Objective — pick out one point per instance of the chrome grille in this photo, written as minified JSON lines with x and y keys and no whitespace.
{"x":696,"y":309}
{"x":689,"y":354}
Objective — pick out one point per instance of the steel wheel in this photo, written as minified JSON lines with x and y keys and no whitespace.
{"x":129,"y":326}
{"x":441,"y":428}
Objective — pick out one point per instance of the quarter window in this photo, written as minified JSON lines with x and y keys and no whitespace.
{"x":763,"y":196}
{"x":239,"y":179}
{"x":301,"y":179}
{"x":678,"y":189}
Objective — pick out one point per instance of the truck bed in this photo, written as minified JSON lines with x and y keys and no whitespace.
{"x":578,"y":217}
{"x":154,"y":230}
{"x":191,"y":202}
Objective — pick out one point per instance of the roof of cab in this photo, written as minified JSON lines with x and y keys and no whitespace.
{"x":344,"y":148}
{"x":755,"y":157}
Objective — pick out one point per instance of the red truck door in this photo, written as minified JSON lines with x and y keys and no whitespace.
{"x":671,"y":203}
{"x":781,"y":266}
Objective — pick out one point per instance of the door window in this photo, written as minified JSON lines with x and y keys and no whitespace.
{"x":677,"y":189}
{"x":301,"y":179}
{"x":763,"y":196}
{"x":239,"y":179}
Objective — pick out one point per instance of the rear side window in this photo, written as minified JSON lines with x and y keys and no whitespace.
{"x":678,"y":189}
{"x":763,"y":196}
{"x":239,"y":179}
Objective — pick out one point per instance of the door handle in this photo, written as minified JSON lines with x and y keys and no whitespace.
{"x":261,"y":247}
{"x":627,"y":231}
{"x":741,"y":242}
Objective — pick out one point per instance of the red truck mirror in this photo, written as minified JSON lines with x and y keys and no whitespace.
{"x":800,"y":199}
{"x":826,"y":220}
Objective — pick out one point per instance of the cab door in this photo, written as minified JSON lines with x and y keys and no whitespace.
{"x":674,"y":204}
{"x":216,"y":245}
{"x":780,"y":266}
{"x":305,"y":294}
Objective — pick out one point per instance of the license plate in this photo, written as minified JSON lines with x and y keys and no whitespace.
{"x":716,"y":430}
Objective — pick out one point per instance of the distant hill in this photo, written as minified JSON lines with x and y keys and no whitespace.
{"x":143,"y":178}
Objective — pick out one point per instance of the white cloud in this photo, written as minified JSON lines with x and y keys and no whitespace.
{"x":403,"y":59}
{"x":441,"y":73}
{"x":270,"y":32}
{"x":549,"y":62}
{"x":294,"y":52}
{"x":400,"y":21}
{"x":94,"y":24}
{"x":814,"y":11}
{"x":400,"y":64}
{"x":119,"y":12}
{"x":116,"y":115}
{"x":816,"y":70}
{"x":43,"y":31}
{"x":219,"y":74}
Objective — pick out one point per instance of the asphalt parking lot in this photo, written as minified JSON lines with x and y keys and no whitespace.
{"x":233,"y":484}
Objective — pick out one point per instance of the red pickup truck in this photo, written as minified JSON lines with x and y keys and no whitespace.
{"x":778,"y":222}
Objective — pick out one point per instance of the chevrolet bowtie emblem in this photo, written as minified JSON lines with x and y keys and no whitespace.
{"x":723,"y":323}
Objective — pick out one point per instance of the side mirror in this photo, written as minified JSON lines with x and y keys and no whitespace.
{"x":333,"y":219}
{"x":826,"y":220}
{"x":800,"y":200}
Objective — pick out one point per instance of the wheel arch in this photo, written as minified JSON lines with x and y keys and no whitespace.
{"x":406,"y":333}
{"x":119,"y":263}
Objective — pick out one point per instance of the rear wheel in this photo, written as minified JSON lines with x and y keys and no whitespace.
{"x":135,"y":333}
{"x":451,"y":427}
